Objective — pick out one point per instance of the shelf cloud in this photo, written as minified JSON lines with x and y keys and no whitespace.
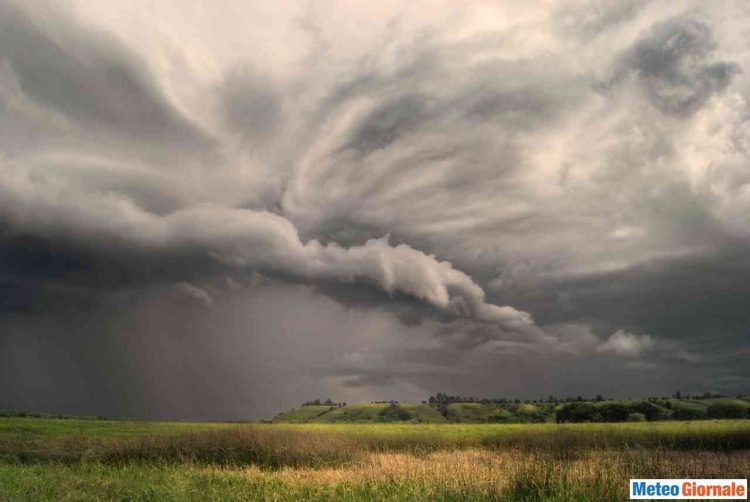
{"x":390,"y":199}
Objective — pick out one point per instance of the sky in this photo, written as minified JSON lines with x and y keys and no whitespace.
{"x":219,"y":210}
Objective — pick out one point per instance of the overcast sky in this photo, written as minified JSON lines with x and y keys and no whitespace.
{"x":217,"y":210}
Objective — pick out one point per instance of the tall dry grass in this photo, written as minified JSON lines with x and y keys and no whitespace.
{"x":511,"y":474}
{"x":272,"y":447}
{"x":279,"y":463}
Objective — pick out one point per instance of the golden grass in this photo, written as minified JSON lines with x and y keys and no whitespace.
{"x":482,"y":468}
{"x":460,"y":467}
{"x":277,"y":447}
{"x":510,"y":474}
{"x":372,"y":463}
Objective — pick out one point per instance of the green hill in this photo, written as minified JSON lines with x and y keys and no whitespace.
{"x":420,"y":413}
{"x":515,"y":412}
{"x":303,"y":414}
{"x":477,"y":412}
{"x":424,"y":413}
{"x":726,"y":400}
{"x":363,"y":413}
{"x":353,"y":413}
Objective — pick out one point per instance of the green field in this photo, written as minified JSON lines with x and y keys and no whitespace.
{"x":52,"y":459}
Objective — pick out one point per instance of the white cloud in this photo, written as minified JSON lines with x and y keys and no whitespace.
{"x":193,"y":293}
{"x":623,"y":343}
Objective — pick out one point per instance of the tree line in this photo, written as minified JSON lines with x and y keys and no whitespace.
{"x":326,"y":402}
{"x":640,"y":411}
{"x":442,"y":397}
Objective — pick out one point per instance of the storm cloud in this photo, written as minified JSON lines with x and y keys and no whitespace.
{"x":515,"y":199}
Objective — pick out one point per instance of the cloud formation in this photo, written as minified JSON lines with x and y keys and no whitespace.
{"x":525,"y":180}
{"x":622,"y":343}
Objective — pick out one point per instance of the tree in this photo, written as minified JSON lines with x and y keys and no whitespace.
{"x":576,"y":412}
{"x":614,"y":412}
{"x":443,"y":409}
{"x":684,"y":413}
{"x":599,"y":397}
{"x":649,"y":410}
{"x":394,"y":413}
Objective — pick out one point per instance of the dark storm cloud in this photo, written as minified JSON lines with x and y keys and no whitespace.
{"x":687,"y":298}
{"x":509,"y":202}
{"x":77,"y":264}
{"x":119,"y":214}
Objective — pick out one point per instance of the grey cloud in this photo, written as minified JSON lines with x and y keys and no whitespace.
{"x":92,"y":79}
{"x":434,"y":127}
{"x":673,"y":60}
{"x":240,"y":237}
{"x":384,"y":125}
{"x":376,"y":380}
{"x":251,"y":103}
{"x":682,"y":297}
{"x":510,"y":183}
{"x":193,"y":293}
{"x":596,"y":17}
{"x":253,"y":239}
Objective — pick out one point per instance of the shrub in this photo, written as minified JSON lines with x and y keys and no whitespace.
{"x":684,"y":413}
{"x":649,"y":410}
{"x":502,"y":418}
{"x":614,"y":412}
{"x":636,"y":417}
{"x":394,"y":413}
{"x":576,"y":412}
{"x":727,"y":410}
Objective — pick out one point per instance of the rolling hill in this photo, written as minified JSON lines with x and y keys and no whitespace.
{"x":512,"y":412}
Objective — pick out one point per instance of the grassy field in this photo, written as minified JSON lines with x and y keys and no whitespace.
{"x":49,"y":459}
